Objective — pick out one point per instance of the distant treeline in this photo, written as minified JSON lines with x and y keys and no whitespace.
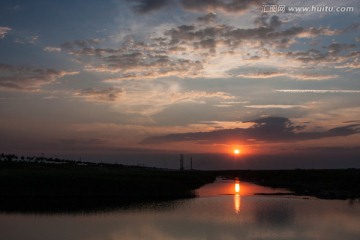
{"x":41,"y":159}
{"x":50,"y":160}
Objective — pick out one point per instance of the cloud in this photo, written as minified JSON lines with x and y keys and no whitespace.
{"x":146,"y":6}
{"x":208,"y":50}
{"x":264,"y":75}
{"x":193,"y":95}
{"x":310,"y":76}
{"x":208,"y":18}
{"x":230,"y":6}
{"x":315,"y":91}
{"x":228,"y":104}
{"x":336,"y":48}
{"x":267,"y":32}
{"x":106,"y":95}
{"x":226,"y":6}
{"x":275,"y":106}
{"x":27,"y":78}
{"x":4,"y":31}
{"x":132,"y":60}
{"x":270,"y":129}
{"x":156,"y":100}
{"x":293,"y":75}
{"x":52,"y":49}
{"x":27,"y":39}
{"x":87,"y":43}
{"x":341,"y":55}
{"x":152,"y":97}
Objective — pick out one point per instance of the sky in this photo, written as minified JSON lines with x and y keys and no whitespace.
{"x":142,"y":81}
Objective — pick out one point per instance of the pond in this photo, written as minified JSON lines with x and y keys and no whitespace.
{"x":223,"y":210}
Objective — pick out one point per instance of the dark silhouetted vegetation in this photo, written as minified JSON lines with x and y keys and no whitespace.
{"x":74,"y":185}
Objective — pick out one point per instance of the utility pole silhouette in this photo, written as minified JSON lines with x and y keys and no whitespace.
{"x":181,"y":162}
{"x":191,"y":163}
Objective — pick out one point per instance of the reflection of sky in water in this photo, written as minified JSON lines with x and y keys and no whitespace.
{"x":219,"y":217}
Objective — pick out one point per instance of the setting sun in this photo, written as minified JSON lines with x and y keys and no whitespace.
{"x":236,"y":151}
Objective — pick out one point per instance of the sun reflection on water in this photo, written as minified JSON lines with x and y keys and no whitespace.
{"x":237,"y":203}
{"x":237,"y":187}
{"x":237,"y":198}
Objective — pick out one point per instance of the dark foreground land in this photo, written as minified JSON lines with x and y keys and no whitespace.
{"x":72,"y":187}
{"x":77,"y":187}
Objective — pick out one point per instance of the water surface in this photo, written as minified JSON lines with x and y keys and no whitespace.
{"x":227,"y":215}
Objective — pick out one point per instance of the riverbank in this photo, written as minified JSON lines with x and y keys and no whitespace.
{"x":70,"y":186}
{"x":324,"y":184}
{"x":44,"y":186}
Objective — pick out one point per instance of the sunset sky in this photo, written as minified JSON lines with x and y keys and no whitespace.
{"x":139,"y":82}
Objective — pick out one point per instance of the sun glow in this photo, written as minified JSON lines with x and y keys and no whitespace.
{"x":236,"y":151}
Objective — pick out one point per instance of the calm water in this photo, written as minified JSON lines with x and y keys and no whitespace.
{"x":219,"y":213}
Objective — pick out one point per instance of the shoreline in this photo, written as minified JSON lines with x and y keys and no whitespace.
{"x":43,"y":187}
{"x":341,"y":184}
